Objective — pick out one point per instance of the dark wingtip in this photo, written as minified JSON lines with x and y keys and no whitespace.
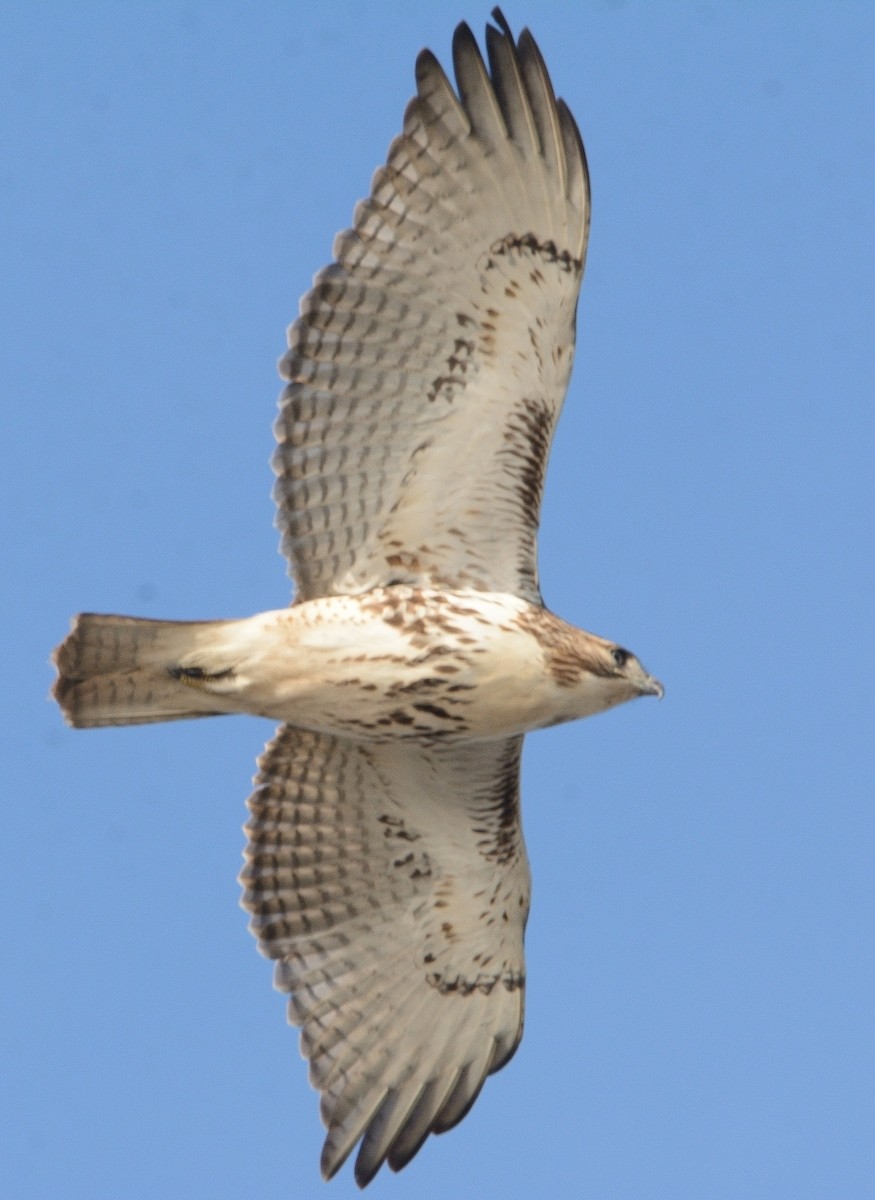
{"x":501,"y":21}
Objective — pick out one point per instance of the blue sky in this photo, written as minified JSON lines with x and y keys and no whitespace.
{"x":701,"y":982}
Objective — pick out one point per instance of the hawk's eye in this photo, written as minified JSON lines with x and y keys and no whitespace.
{"x":620,"y":657}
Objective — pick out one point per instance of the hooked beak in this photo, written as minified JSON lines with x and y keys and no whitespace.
{"x":651,"y":687}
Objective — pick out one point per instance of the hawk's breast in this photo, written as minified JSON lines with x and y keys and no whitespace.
{"x":401,"y":662}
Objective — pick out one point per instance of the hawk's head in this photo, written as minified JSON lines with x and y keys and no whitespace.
{"x":591,"y":674}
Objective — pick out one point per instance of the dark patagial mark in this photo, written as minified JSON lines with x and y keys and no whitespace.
{"x":526,"y":446}
{"x":498,"y":813}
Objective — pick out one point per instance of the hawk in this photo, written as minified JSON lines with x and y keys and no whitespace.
{"x":385,"y":872}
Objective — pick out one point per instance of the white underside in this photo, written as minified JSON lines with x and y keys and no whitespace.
{"x":340,"y":665}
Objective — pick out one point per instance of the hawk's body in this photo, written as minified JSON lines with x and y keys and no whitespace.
{"x":386,"y":872}
{"x":393,"y":663}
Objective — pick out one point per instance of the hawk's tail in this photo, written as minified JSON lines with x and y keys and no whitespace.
{"x":131,"y":670}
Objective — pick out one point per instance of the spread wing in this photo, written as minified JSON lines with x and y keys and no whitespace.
{"x":430,"y":361}
{"x":390,"y":883}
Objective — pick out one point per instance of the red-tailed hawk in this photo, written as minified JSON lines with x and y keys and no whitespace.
{"x":386,"y":873}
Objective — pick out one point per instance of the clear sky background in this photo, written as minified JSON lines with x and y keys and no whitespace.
{"x":701,"y":983}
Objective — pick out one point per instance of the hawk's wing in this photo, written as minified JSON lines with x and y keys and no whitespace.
{"x":430,"y":361}
{"x":391,"y":884}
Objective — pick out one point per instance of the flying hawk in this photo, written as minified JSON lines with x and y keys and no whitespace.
{"x":385,"y":872}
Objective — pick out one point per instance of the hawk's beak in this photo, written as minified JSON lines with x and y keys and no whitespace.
{"x":652,"y":687}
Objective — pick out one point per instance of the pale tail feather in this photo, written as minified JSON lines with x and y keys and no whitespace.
{"x":132,"y":670}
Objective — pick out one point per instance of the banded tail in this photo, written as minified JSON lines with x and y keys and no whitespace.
{"x":133,"y":670}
